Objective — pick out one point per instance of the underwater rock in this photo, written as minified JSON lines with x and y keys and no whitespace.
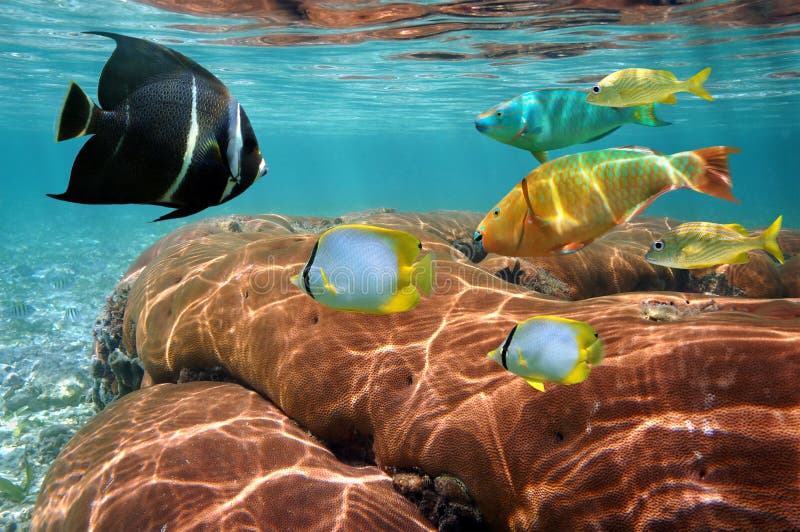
{"x":691,"y":421}
{"x":210,"y":454}
{"x":790,"y":277}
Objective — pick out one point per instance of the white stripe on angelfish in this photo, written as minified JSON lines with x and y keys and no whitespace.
{"x":235,"y":141}
{"x":191,"y":141}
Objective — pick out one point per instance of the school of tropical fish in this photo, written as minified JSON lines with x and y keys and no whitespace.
{"x":168,"y":132}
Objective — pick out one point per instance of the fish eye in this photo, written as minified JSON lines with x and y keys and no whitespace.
{"x":596,"y":89}
{"x":658,"y":245}
{"x":496,"y":212}
{"x":498,"y":114}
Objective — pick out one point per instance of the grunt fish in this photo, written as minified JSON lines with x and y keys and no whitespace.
{"x":640,"y":86}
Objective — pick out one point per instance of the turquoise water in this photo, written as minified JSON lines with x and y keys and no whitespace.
{"x":379,"y":122}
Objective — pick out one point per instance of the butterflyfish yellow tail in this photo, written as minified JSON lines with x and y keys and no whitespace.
{"x":770,"y":239}
{"x":536,"y":384}
{"x":422,"y":274}
{"x":695,"y":84}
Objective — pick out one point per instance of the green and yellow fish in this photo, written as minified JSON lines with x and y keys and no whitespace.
{"x":704,"y":244}
{"x":564,"y":204}
{"x":640,"y":86}
{"x":550,"y":349}
{"x":363,"y":268}
{"x":550,"y":119}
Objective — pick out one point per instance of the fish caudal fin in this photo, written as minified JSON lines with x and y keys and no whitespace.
{"x":78,"y":115}
{"x":422,"y":274}
{"x":695,"y":84}
{"x":646,"y":116}
{"x":769,"y":239}
{"x":716,"y":179}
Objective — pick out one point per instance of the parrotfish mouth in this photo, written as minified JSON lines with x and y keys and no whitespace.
{"x":477,"y":237}
{"x":480,"y":127}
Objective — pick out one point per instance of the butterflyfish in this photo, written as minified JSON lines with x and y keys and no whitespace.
{"x":363,"y":268}
{"x":550,"y":349}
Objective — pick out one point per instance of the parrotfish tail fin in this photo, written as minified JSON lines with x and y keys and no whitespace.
{"x":716,"y":179}
{"x":770,"y":239}
{"x":422,"y":274}
{"x":78,"y":115}
{"x":646,"y":116}
{"x":578,"y":374}
{"x":536,"y":384}
{"x":695,"y":84}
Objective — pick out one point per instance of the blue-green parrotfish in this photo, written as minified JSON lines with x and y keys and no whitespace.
{"x":543,"y":120}
{"x":168,"y":133}
{"x":550,"y":349}
{"x":363,"y":268}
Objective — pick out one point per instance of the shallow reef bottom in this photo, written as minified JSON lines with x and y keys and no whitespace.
{"x":310,"y":418}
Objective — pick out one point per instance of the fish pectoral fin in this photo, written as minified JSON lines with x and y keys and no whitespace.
{"x":536,"y":384}
{"x":328,"y":286}
{"x":670,"y":99}
{"x":572,"y":247}
{"x":578,"y":374}
{"x":600,"y":136}
{"x":541,"y":156}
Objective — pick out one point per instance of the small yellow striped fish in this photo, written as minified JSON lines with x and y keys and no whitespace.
{"x":704,"y":244}
{"x":642,"y":86}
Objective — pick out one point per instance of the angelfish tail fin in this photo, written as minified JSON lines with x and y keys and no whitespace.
{"x":770,"y":239}
{"x":695,"y":84}
{"x":715,"y":180}
{"x":78,"y":114}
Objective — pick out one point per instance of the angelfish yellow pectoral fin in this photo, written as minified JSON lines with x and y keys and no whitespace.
{"x":536,"y":384}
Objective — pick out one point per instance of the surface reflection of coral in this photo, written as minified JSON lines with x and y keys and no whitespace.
{"x":692,"y":421}
{"x":407,"y":20}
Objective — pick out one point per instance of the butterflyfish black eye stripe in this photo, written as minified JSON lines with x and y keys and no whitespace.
{"x":504,"y":350}
{"x":307,"y":269}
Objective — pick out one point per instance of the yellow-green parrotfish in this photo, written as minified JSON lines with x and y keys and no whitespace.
{"x":539,"y":121}
{"x":363,"y":268}
{"x":564,"y":204}
{"x":550,"y":349}
{"x":640,"y":86}
{"x":705,"y":244}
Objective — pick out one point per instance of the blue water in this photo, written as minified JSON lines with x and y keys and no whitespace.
{"x":376,"y":123}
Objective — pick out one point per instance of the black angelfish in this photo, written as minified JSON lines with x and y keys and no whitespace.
{"x":169,"y":133}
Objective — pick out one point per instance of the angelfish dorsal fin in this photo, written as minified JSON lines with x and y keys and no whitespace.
{"x":137,"y":62}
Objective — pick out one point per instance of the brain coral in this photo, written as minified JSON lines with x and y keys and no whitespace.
{"x":692,"y":421}
{"x":200,"y":455}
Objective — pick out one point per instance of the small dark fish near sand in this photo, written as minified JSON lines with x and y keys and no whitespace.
{"x":169,"y":133}
{"x":60,"y":282}
{"x":72,"y":315}
{"x":18,"y":310}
